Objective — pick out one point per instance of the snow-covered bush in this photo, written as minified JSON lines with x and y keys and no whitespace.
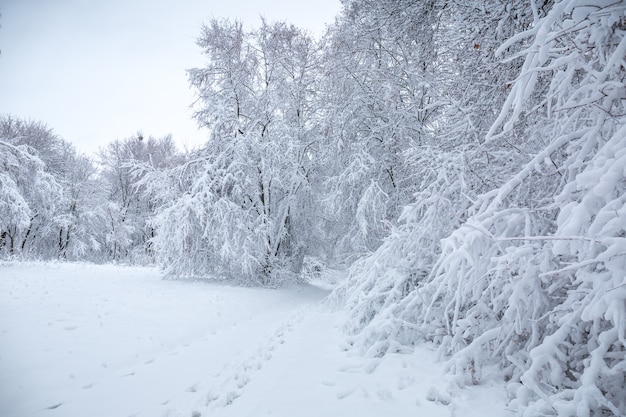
{"x":533,"y":275}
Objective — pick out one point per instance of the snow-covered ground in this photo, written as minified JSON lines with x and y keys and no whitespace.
{"x":85,"y":340}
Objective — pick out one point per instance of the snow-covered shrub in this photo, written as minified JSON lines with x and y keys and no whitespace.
{"x":378,"y":283}
{"x":533,"y":277}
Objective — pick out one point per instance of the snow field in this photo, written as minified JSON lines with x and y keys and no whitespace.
{"x":78,"y":340}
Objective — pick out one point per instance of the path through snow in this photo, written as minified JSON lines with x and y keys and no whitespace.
{"x":86,"y":340}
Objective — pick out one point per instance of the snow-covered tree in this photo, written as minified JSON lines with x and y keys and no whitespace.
{"x":29,"y":200}
{"x":445,"y":164}
{"x":126,"y":233}
{"x":80,"y":229}
{"x":59,"y":187}
{"x":31,"y":195}
{"x":377,"y":104}
{"x":533,"y":276}
{"x":411,"y":88}
{"x":245,"y":190}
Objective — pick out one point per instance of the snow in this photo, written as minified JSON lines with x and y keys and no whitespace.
{"x":89,"y":340}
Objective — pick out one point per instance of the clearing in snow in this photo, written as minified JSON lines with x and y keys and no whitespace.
{"x":85,"y":340}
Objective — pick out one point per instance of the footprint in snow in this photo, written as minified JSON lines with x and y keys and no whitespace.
{"x":54,"y":407}
{"x":345,"y":393}
{"x":242,"y":380}
{"x":230,"y":397}
{"x":437,"y":396}
{"x":384,"y":395}
{"x":239,"y":375}
{"x":210,"y":397}
{"x":405,"y":382}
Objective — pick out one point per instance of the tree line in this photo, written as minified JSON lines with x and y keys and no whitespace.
{"x":58,"y":204}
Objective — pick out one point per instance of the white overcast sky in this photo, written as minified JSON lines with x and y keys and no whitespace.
{"x":100,"y":70}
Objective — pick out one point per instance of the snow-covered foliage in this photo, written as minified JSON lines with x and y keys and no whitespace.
{"x":533,"y":275}
{"x":446,"y":166}
{"x":81,"y":215}
{"x":29,"y":195}
{"x":243,"y":194}
{"x":57,"y":203}
{"x":377,"y":104}
{"x":52,"y":190}
{"x":126,"y":233}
